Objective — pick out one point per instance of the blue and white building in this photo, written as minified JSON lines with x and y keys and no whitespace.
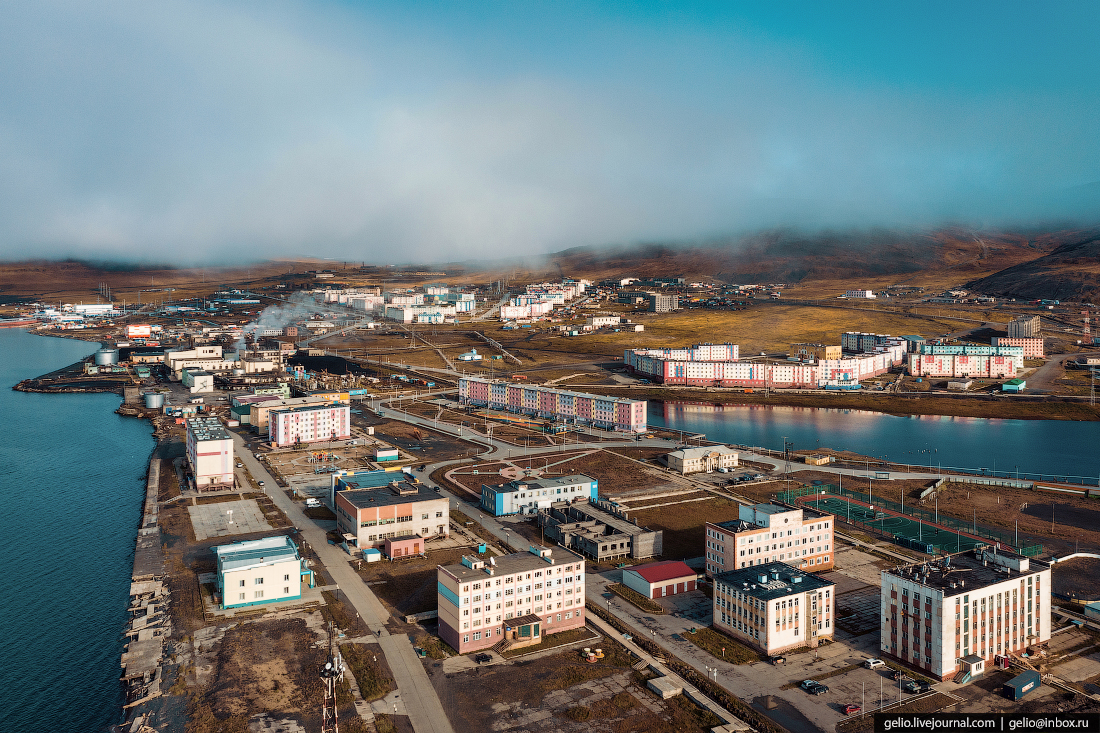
{"x":255,"y":572}
{"x":527,"y":496}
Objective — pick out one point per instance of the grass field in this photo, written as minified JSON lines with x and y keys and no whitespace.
{"x":682,"y":525}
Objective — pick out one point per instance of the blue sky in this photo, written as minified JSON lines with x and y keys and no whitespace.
{"x":215,"y":132}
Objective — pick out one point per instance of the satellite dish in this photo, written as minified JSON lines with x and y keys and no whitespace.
{"x":328,"y":665}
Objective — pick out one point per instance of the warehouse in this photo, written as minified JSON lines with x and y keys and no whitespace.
{"x":660,"y":579}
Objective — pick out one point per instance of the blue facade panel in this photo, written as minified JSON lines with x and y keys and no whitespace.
{"x":447,"y":593}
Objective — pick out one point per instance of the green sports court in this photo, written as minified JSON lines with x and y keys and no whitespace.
{"x":914,"y":531}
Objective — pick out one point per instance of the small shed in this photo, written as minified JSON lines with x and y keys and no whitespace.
{"x":1022,"y":684}
{"x":1014,"y":385}
{"x":660,"y":579}
{"x":372,"y":555}
{"x":404,"y":546}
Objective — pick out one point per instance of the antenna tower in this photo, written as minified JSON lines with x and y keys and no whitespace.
{"x":331,"y":675}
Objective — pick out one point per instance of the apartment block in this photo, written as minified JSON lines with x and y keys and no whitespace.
{"x":261,"y":571}
{"x":816,"y":352}
{"x":1025,"y":327}
{"x":663,"y":302}
{"x":774,"y":607}
{"x":952,"y":615}
{"x":613,"y":413}
{"x":1033,"y":347}
{"x":765,"y":533}
{"x":308,"y":424}
{"x":513,"y":600}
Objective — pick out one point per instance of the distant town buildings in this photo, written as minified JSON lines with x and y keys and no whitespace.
{"x":663,"y":302}
{"x":707,"y":458}
{"x":859,"y":294}
{"x":598,"y":532}
{"x":776,"y":532}
{"x":774,"y":607}
{"x":953,"y":614}
{"x":261,"y":571}
{"x":524,"y":496}
{"x":515,"y":599}
{"x":1025,"y":327}
{"x":209,"y":454}
{"x":612,"y":413}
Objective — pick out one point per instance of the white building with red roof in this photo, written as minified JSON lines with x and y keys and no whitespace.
{"x":660,"y":579}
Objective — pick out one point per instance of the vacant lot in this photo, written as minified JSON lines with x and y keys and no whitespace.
{"x":683,"y":524}
{"x":1078,"y":578}
{"x":408,"y":585}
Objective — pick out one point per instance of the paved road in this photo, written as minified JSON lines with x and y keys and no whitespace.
{"x":421,"y":703}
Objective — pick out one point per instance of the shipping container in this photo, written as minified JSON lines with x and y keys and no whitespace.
{"x":1021,"y":685}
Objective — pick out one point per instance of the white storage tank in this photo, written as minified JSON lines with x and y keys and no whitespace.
{"x":154,"y":400}
{"x":105,"y":357}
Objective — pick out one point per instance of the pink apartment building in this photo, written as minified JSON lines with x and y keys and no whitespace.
{"x":612,"y":413}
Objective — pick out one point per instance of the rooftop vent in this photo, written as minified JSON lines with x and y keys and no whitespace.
{"x":762,"y":578}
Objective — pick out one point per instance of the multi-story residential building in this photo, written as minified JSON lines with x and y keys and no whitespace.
{"x":859,"y":294}
{"x":209,"y":453}
{"x":953,"y":614}
{"x":260,"y":571}
{"x":967,"y":360}
{"x":526,"y":496}
{"x":308,"y":424}
{"x":857,"y":342}
{"x":403,"y":299}
{"x":599,"y":531}
{"x":1033,"y":347}
{"x":516,"y":598}
{"x":411,"y":313}
{"x":1025,"y":327}
{"x":799,"y":536}
{"x":528,"y":310}
{"x":613,"y":413}
{"x":816,"y":352}
{"x":260,"y":410}
{"x":375,"y":514}
{"x":774,"y":607}
{"x":722,"y":370}
{"x":663,"y":302}
{"x":703,"y":458}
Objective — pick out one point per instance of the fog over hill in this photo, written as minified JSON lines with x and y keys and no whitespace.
{"x":1069,"y":272}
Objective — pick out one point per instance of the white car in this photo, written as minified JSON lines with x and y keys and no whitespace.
{"x":873,"y":663}
{"x":312,"y":504}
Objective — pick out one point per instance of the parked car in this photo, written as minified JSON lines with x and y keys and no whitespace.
{"x":852,"y":709}
{"x":807,"y":684}
{"x":873,"y":663}
{"x":778,"y":660}
{"x":482,"y":658}
{"x":894,"y":674}
{"x":260,"y":484}
{"x":915,"y":687}
{"x":240,"y":465}
{"x":818,"y":690}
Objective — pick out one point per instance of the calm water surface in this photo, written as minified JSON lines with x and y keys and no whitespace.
{"x":1037,"y":448}
{"x":71,"y":488}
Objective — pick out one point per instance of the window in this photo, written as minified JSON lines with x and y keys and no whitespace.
{"x":286,"y":590}
{"x":259,"y":581}
{"x":259,"y":594}
{"x":286,"y":577}
{"x":242,"y":582}
{"x":242,"y":594}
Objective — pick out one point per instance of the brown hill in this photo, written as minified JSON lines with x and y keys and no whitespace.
{"x":1070,"y":272}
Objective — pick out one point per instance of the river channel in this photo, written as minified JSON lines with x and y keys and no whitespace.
{"x":1032,"y":449}
{"x":71,"y":489}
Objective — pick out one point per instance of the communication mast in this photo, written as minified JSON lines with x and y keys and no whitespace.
{"x":331,"y":676}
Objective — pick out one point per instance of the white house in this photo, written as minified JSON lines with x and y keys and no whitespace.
{"x":704,"y":458}
{"x":260,"y":571}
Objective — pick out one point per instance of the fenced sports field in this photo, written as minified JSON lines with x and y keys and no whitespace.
{"x":913,"y":527}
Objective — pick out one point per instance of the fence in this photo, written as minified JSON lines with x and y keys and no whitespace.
{"x":928,"y":517}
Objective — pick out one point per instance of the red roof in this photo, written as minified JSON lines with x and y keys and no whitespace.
{"x":658,"y":572}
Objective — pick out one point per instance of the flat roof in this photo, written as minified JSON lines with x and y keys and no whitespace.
{"x":256,"y":553}
{"x":967,"y":569}
{"x":542,"y":483}
{"x":519,"y":562}
{"x":367,"y":479}
{"x":308,"y":408}
{"x":207,"y":428}
{"x":384,"y":496}
{"x":747,"y":581}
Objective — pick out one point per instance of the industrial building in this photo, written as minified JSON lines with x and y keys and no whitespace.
{"x":209,"y":454}
{"x":765,"y":533}
{"x":612,"y":413}
{"x":816,"y":352}
{"x":598,"y":531}
{"x":953,"y":614}
{"x":1025,"y":327}
{"x":526,"y":496}
{"x":660,"y":579}
{"x":419,"y":313}
{"x":602,"y":321}
{"x":663,"y":302}
{"x":707,"y":458}
{"x":308,"y":424}
{"x":369,"y":515}
{"x":515,"y":599}
{"x":1033,"y":347}
{"x":260,"y":571}
{"x":774,"y":607}
{"x":197,"y":380}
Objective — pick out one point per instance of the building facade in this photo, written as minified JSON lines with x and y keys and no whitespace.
{"x":966,"y":360}
{"x":859,"y":294}
{"x":197,"y":380}
{"x":260,"y":410}
{"x":308,"y":424}
{"x":1033,"y":347}
{"x":209,"y":453}
{"x":663,"y":302}
{"x":1025,"y":327}
{"x":798,"y":536}
{"x":612,"y":413}
{"x":399,"y":509}
{"x":816,"y":352}
{"x":261,"y":571}
{"x":774,"y":607}
{"x":516,"y":598}
{"x":599,"y":531}
{"x":941,"y":615}
{"x":707,"y":458}
{"x":527,"y":496}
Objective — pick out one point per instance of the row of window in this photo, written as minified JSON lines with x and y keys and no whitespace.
{"x":260,"y":581}
{"x":260,"y":594}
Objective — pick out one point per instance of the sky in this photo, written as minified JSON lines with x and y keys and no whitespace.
{"x":393,"y":132}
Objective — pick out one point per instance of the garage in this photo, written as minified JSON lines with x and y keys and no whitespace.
{"x":660,"y":579}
